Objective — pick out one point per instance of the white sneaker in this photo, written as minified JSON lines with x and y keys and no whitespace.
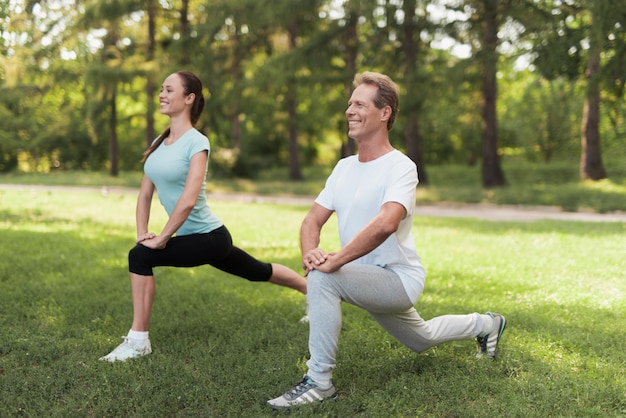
{"x":488,"y":343}
{"x":127,"y":350}
{"x":304,"y":392}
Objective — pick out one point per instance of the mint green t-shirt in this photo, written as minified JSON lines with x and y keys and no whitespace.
{"x":167,"y":168}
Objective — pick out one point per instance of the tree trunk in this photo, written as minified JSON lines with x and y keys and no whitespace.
{"x":235,"y":72}
{"x":150,"y":85}
{"x":113,"y":157}
{"x":491,"y":170}
{"x":185,"y":33}
{"x":295,"y":172}
{"x":292,"y":108}
{"x":150,"y":131}
{"x":591,"y":167}
{"x":413,"y":134}
{"x":351,"y":43}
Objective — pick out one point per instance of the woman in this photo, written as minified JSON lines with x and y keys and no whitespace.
{"x":176,"y":165}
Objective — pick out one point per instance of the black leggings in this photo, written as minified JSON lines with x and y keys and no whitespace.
{"x":215,"y":248}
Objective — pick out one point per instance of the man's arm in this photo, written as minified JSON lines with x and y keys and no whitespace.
{"x":310,"y":232}
{"x":371,"y":236}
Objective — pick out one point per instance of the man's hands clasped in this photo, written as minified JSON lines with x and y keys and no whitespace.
{"x":318,"y":259}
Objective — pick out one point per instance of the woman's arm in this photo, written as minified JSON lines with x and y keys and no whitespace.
{"x":185,"y":203}
{"x":142,"y":211}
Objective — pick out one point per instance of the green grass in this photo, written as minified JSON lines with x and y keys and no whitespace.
{"x":223,"y":346}
{"x":536,"y":184}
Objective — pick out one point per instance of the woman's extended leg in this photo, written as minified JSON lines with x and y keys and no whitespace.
{"x":284,"y":276}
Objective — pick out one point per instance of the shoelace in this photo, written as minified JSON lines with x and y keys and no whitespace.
{"x":125,"y":340}
{"x":485,"y":338}
{"x":483,"y":343}
{"x":302,"y":387}
{"x":126,"y":345}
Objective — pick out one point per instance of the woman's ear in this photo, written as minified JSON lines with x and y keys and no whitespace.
{"x":190,"y":98}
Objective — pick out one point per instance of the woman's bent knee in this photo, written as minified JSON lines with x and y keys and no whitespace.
{"x":138,"y":260}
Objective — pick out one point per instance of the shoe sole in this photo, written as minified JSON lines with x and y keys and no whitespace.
{"x":500,"y":332}
{"x":334,"y":397}
{"x":120,"y":359}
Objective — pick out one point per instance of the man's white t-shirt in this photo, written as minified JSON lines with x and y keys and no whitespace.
{"x":357,"y":190}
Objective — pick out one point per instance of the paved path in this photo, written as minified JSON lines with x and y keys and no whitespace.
{"x":460,"y":210}
{"x":449,"y":210}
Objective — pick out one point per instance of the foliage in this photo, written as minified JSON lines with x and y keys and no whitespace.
{"x":540,"y":118}
{"x":86,"y":69}
{"x":223,"y":346}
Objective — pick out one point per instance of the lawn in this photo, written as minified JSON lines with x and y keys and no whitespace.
{"x":223,"y":346}
{"x":537,"y":184}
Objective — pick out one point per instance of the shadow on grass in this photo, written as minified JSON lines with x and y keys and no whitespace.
{"x":224,"y":345}
{"x":65,"y":299}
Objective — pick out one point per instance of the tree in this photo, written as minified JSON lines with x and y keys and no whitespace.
{"x":411,"y":46}
{"x":151,"y":10}
{"x":480,"y":29}
{"x":588,"y":36}
{"x":112,"y":68}
{"x":488,"y":11}
{"x":295,"y":171}
{"x":351,"y":48}
{"x":278,"y":73}
{"x":602,"y":22}
{"x":591,"y":167}
{"x":23,"y":30}
{"x":9,"y":63}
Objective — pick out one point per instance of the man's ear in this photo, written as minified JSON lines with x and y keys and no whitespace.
{"x":386,"y":113}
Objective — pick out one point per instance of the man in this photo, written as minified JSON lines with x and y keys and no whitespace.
{"x":377,"y":268}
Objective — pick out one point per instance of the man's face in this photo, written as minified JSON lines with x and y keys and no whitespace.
{"x":364,"y":118}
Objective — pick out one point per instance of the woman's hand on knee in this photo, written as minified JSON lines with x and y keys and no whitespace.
{"x":145,"y":236}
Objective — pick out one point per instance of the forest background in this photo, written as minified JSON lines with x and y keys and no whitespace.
{"x":482,"y":81}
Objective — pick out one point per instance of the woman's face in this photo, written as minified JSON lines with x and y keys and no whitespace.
{"x":173,"y":100}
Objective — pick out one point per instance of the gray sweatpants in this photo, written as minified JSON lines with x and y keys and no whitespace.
{"x":380,"y":292}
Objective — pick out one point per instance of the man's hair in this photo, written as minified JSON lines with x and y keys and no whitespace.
{"x":387,"y":94}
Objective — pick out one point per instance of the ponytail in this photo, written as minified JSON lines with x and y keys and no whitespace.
{"x":155,"y":144}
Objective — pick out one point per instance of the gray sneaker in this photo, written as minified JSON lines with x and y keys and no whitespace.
{"x":488,"y":343}
{"x":127,"y":350}
{"x":304,"y":392}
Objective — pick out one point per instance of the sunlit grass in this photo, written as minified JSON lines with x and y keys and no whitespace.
{"x":222,"y":346}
